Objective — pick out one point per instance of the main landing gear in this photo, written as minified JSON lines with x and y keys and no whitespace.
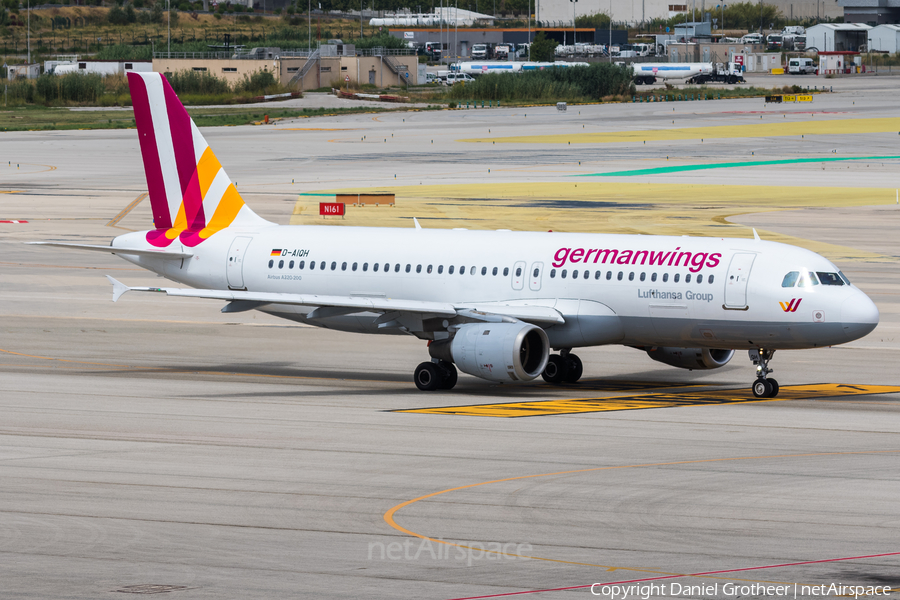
{"x":435,"y":375}
{"x":763,"y":387}
{"x":564,"y":367}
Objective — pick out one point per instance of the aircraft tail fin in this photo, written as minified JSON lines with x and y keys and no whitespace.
{"x":191,"y":195}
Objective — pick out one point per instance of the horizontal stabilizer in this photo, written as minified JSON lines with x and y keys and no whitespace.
{"x":112,"y":250}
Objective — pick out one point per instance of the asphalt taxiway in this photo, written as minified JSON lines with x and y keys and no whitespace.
{"x":158,"y":445}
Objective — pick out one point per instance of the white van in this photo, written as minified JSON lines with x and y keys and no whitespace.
{"x":459,"y":77}
{"x":801,"y":66}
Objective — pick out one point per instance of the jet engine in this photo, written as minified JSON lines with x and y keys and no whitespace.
{"x":496,"y":351}
{"x":691,"y":358}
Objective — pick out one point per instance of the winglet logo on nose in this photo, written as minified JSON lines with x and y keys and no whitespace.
{"x":792,"y":306}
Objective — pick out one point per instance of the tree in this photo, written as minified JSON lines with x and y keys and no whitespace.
{"x":173,"y":18}
{"x":543,"y":49}
{"x":130,"y":15}
{"x":116,"y":16}
{"x":156,"y":13}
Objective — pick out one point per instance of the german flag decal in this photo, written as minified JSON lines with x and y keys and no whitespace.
{"x":276,"y":252}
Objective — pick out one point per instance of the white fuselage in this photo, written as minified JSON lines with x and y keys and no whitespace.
{"x":625,"y":289}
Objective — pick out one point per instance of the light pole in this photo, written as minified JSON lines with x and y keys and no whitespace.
{"x":573,"y":26}
{"x":168,"y":29}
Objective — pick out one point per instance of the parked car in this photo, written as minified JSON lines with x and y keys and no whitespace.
{"x":458,"y":77}
{"x":801,"y":66}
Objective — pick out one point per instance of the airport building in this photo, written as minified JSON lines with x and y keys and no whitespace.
{"x":885,"y":38}
{"x":330,"y":65}
{"x":832,"y":37}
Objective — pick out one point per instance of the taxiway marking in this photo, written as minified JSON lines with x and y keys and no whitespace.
{"x":389,"y":519}
{"x":652,"y":400}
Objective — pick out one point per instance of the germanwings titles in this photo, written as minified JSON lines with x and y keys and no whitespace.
{"x":501,"y":305}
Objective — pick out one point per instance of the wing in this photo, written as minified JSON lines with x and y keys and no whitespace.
{"x":393,"y":310}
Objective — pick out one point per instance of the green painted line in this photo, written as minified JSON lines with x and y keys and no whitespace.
{"x":753,"y":163}
{"x":313,"y":194}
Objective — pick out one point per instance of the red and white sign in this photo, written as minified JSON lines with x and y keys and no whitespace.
{"x":331,"y":208}
{"x":484,"y":68}
{"x":739,"y":59}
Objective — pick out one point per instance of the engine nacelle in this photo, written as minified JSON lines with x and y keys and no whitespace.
{"x":691,"y":358}
{"x":496,"y":351}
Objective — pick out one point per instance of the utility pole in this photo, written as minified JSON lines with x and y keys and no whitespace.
{"x":28,"y":18}
{"x":529,"y":30}
{"x":573,"y":26}
{"x":168,"y":29}
{"x":609,"y":48}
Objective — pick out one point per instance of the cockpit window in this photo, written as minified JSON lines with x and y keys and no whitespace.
{"x":808,"y":279}
{"x":844,"y":277}
{"x":790,"y":280}
{"x":830,"y":278}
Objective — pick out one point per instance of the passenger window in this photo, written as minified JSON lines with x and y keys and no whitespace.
{"x":643,"y":276}
{"x":301,"y":264}
{"x":494,"y":272}
{"x":343,"y":266}
{"x":322,"y":265}
{"x":518,"y":271}
{"x":333,"y":265}
{"x":711,"y":277}
{"x":621,"y":274}
{"x":608,"y":275}
{"x":408,"y":268}
{"x":829,"y":278}
{"x":387,"y":267}
{"x":375,"y":267}
{"x":597,"y":275}
{"x":271,"y":263}
{"x":653,"y":277}
{"x":790,"y":279}
{"x":563,"y":273}
{"x":552,"y":273}
{"x":472,"y":270}
{"x":280,"y":264}
{"x":353,"y":267}
{"x":699,"y":278}
{"x":397,"y":268}
{"x":450,"y":270}
{"x":428,"y":270}
{"x":418,"y":268}
{"x":365,"y":267}
{"x":631,"y":276}
{"x":575,"y":274}
{"x":687,"y":278}
{"x":665,"y":277}
{"x":808,"y":279}
{"x":484,"y":271}
{"x":312,"y":265}
{"x":440,"y":269}
{"x":677,"y":276}
{"x":291,"y":265}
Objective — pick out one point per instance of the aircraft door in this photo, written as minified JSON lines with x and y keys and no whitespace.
{"x":518,"y":275}
{"x":534,"y":279}
{"x":234,"y":268}
{"x":736,"y":280}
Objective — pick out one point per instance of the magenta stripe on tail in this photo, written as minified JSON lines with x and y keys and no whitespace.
{"x":152,"y":169}
{"x":183,"y":142}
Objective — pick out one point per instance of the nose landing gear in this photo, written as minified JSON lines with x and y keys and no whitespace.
{"x":763,"y":387}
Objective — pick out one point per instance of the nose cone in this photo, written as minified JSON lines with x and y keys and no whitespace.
{"x":859,"y":316}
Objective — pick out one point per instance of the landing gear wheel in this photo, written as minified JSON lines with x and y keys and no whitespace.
{"x":428,"y":377}
{"x":774,"y":385}
{"x":575,"y":369}
{"x":448,"y":370}
{"x":557,"y":369}
{"x":762,"y":388}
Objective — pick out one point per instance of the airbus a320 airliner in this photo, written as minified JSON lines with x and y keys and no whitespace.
{"x":492,"y":303}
